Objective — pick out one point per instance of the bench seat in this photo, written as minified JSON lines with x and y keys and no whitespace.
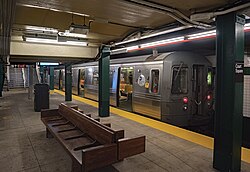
{"x":90,"y":144}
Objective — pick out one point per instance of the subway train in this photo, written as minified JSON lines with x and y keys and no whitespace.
{"x":175,"y":87}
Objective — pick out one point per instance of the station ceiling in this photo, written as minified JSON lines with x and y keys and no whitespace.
{"x":112,"y":20}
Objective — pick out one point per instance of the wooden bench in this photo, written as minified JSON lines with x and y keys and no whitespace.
{"x":90,"y":143}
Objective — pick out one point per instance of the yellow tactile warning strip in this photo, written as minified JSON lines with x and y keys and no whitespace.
{"x":200,"y":139}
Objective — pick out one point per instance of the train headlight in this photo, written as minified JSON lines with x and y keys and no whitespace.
{"x":185,"y":107}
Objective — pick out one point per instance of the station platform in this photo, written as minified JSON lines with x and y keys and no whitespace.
{"x":24,"y":147}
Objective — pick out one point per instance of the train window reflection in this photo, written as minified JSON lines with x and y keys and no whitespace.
{"x":155,"y":81}
{"x":82,"y":81}
{"x":95,"y":80}
{"x":179,"y":80}
{"x":210,"y":78}
{"x":126,"y":82}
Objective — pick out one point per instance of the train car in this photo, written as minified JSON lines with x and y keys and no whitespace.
{"x":172,"y":87}
{"x":88,"y":80}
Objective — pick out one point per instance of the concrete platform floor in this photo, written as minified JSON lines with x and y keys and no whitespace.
{"x":24,"y":148}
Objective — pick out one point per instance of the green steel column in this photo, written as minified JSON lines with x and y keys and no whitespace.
{"x":104,"y":82}
{"x":1,"y":78}
{"x":229,"y":92}
{"x":68,"y":82}
{"x":42,"y":73}
{"x":51,"y":79}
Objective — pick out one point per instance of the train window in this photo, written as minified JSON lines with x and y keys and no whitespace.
{"x":210,"y":78}
{"x":95,"y":78}
{"x":82,"y":81}
{"x":179,"y":80}
{"x":126,"y":83}
{"x":154,"y":81}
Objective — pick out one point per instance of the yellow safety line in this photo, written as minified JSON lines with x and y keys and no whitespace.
{"x":197,"y":138}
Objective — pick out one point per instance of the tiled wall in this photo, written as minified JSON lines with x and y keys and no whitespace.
{"x":246,"y":103}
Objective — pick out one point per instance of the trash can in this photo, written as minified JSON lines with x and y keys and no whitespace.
{"x":41,"y":98}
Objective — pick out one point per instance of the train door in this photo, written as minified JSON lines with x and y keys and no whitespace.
{"x":198,"y":89}
{"x":126,"y":88}
{"x":81,"y":82}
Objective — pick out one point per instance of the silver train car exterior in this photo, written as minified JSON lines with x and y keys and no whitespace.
{"x":176,"y":87}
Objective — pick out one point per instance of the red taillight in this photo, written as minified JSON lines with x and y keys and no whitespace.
{"x":185,"y":100}
{"x":209,"y":97}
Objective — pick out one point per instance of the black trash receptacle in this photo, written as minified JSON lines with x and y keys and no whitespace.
{"x":41,"y":99}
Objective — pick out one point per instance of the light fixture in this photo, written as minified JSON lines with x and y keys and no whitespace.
{"x":165,"y":32}
{"x":206,"y":34}
{"x":162,"y":42}
{"x":48,"y":64}
{"x":69,"y":34}
{"x":40,"y":40}
{"x":186,"y":38}
{"x":44,"y":29}
{"x":124,"y":50}
{"x":74,"y":43}
{"x":54,"y":41}
{"x":128,"y":41}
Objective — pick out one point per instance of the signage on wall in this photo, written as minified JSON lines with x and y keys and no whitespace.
{"x":239,"y":71}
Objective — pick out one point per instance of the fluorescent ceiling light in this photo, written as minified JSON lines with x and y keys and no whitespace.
{"x":202,"y":35}
{"x":165,"y":32}
{"x":40,"y":40}
{"x":48,"y":64}
{"x":75,"y":35}
{"x":75,"y":43}
{"x":119,"y":50}
{"x":124,"y":50}
{"x":54,"y":41}
{"x":162,"y":42}
{"x":128,"y":41}
{"x":44,"y":29}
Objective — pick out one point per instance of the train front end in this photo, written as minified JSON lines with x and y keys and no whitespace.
{"x":188,"y":87}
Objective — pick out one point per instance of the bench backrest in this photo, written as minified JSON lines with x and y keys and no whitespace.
{"x":97,"y":132}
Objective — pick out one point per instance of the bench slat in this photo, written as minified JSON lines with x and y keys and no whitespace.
{"x":96,"y":131}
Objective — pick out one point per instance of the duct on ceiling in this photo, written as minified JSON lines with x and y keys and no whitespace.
{"x":7,"y":13}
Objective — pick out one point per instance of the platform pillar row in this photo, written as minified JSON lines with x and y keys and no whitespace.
{"x":104,"y":82}
{"x":51,"y":78}
{"x":68,"y":82}
{"x":229,"y":92}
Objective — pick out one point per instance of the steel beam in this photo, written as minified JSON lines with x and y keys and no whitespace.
{"x":104,"y":82}
{"x":68,"y":82}
{"x":229,"y":92}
